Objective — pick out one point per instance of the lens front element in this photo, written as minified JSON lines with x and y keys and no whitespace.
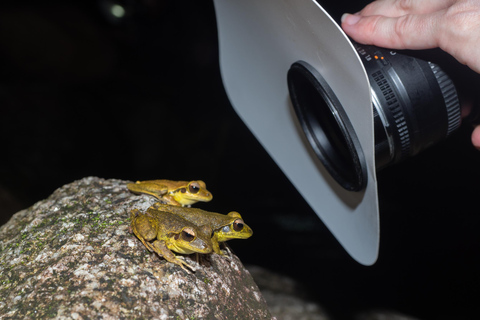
{"x":326,"y":126}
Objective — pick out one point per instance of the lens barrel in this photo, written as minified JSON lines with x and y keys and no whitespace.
{"x":415,"y":105}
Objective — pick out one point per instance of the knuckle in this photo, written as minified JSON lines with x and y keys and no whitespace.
{"x":373,"y":7}
{"x":404,"y":5}
{"x":400,"y":30}
{"x":371,"y":26}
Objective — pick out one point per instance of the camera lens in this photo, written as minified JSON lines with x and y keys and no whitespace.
{"x":415,"y":105}
{"x":326,"y":126}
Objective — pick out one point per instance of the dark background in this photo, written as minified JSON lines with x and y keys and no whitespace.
{"x":142,"y":98}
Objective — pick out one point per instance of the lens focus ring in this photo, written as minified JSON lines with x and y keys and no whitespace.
{"x":393,"y":105}
{"x":452,"y":104}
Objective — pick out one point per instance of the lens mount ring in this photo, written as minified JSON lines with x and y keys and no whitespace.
{"x":327,"y":126}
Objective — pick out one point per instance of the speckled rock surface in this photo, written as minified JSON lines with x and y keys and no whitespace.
{"x":71,"y":256}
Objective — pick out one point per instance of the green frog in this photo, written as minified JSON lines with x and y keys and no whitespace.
{"x":177,"y":193}
{"x":225,"y":227}
{"x":164,"y":232}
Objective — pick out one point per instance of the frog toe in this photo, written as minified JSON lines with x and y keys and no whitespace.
{"x":183,"y":263}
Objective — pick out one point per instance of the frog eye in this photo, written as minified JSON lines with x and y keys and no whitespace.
{"x":193,"y":187}
{"x":238,"y":225}
{"x":188,"y":235}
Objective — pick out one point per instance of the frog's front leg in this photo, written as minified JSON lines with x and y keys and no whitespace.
{"x":215,"y":245}
{"x":168,"y":199}
{"x":148,"y":187}
{"x":161,"y":249}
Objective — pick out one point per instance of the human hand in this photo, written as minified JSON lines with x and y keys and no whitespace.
{"x":452,"y":25}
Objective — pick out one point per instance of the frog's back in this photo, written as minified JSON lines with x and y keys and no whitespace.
{"x":170,"y":184}
{"x":169,"y":222}
{"x":198,"y":216}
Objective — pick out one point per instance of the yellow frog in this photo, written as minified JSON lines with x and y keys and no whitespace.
{"x":225,"y":227}
{"x":177,"y":193}
{"x":164,"y":232}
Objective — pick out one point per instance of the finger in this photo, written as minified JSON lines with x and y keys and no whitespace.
{"x":395,"y":33}
{"x":397,"y":8}
{"x":476,"y":137}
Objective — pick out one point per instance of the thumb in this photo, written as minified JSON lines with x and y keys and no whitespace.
{"x":404,"y":32}
{"x":476,"y":137}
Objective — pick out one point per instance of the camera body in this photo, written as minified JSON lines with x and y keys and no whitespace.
{"x":329,"y":112}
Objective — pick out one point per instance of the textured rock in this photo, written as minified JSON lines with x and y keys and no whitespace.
{"x":71,"y":256}
{"x":285,"y":297}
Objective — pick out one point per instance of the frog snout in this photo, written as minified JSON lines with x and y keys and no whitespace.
{"x":203,"y":246}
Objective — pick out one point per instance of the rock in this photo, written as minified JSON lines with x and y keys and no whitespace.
{"x":285,"y":297}
{"x":383,"y":315}
{"x":71,"y":256}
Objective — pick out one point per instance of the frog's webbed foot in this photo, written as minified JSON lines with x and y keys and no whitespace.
{"x":227,"y":252}
{"x":161,"y":249}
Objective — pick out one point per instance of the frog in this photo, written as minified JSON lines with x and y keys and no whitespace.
{"x":177,"y":193}
{"x":225,"y":227}
{"x":164,"y":232}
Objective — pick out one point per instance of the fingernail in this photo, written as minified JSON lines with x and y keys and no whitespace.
{"x":350,"y":19}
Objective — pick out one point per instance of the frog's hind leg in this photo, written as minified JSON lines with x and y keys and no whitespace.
{"x":161,"y":249}
{"x":142,"y":222}
{"x":152,"y":188}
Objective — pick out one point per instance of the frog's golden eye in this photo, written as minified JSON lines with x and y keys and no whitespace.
{"x":188,"y":235}
{"x":238,"y":225}
{"x":193,"y":187}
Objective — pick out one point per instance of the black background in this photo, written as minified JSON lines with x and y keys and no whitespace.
{"x":142,"y":98}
